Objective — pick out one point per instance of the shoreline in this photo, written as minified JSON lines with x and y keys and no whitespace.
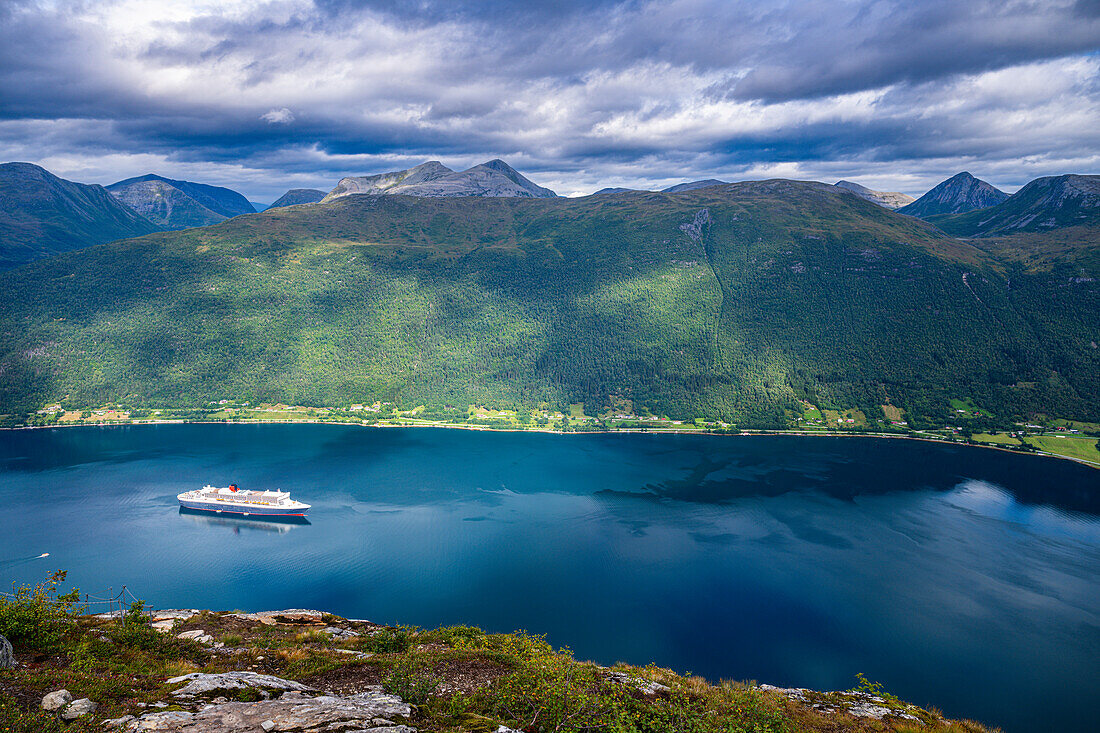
{"x":550,"y":431}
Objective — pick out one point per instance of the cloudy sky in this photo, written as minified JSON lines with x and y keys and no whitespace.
{"x":265,"y":96}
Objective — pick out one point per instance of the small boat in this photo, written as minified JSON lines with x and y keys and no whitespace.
{"x":234,"y":500}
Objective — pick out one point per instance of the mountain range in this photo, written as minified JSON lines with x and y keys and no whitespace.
{"x":1045,"y":204}
{"x":43,"y":215}
{"x":172,"y":204}
{"x":433,"y":179}
{"x":735,"y":302}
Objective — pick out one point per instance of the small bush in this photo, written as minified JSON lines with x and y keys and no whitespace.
{"x":461,"y":637}
{"x":35,"y":617}
{"x":136,"y":632}
{"x":556,"y":693}
{"x":390,"y":640}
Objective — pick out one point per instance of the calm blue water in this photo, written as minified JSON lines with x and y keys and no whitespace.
{"x":963,"y":578}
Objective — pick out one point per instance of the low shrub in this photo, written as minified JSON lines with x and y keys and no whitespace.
{"x":411,"y":680}
{"x":391,"y":640}
{"x":14,"y":719}
{"x":556,"y":693}
{"x":36,"y":617}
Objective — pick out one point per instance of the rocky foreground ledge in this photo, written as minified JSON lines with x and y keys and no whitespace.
{"x":305,"y":671}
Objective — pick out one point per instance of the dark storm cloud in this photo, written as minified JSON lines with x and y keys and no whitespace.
{"x":835,"y":52}
{"x":581,"y":93}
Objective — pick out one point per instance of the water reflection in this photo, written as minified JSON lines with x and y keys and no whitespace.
{"x":992,"y":501}
{"x":281,"y":525}
{"x":958,"y":576}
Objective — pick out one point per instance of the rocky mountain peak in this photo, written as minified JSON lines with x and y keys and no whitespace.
{"x":960,"y":193}
{"x":433,"y":179}
{"x":887,"y":199}
{"x":1052,"y":202}
{"x":175,"y":204}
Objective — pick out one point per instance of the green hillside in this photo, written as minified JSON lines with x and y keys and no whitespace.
{"x":730,"y":302}
{"x":42,"y":215}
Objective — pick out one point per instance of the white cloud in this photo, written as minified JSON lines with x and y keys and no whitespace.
{"x":281,"y":116}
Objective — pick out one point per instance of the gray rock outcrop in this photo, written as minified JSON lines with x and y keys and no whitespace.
{"x":77,"y":708}
{"x":644,"y":686}
{"x":372,"y":710}
{"x":118,"y":722}
{"x":855,"y":703}
{"x":7,"y":654}
{"x":296,"y":616}
{"x":340,"y":634}
{"x":201,"y":683}
{"x":174,"y":614}
{"x":56,"y":700}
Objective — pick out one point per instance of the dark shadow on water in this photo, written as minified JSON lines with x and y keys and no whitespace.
{"x":279,"y":525}
{"x":845,"y":468}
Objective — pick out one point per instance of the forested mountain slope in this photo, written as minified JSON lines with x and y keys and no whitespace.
{"x":41,"y":215}
{"x":296,"y":196}
{"x":731,"y":301}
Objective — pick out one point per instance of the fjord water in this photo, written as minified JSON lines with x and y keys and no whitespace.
{"x":959,"y":577}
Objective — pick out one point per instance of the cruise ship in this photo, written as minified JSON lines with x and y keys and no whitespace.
{"x":235,"y":500}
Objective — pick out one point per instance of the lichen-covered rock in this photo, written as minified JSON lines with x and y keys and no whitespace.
{"x":7,"y":654}
{"x":199,"y":683}
{"x":644,"y":686}
{"x":794,"y":693}
{"x":353,"y":653}
{"x":337,"y":633}
{"x":196,"y":635}
{"x":56,"y":700}
{"x":174,"y":614}
{"x":77,"y":708}
{"x":171,"y":720}
{"x":868,"y":710}
{"x":295,"y":616}
{"x":298,"y":714}
{"x":854,"y":702}
{"x":117,"y":722}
